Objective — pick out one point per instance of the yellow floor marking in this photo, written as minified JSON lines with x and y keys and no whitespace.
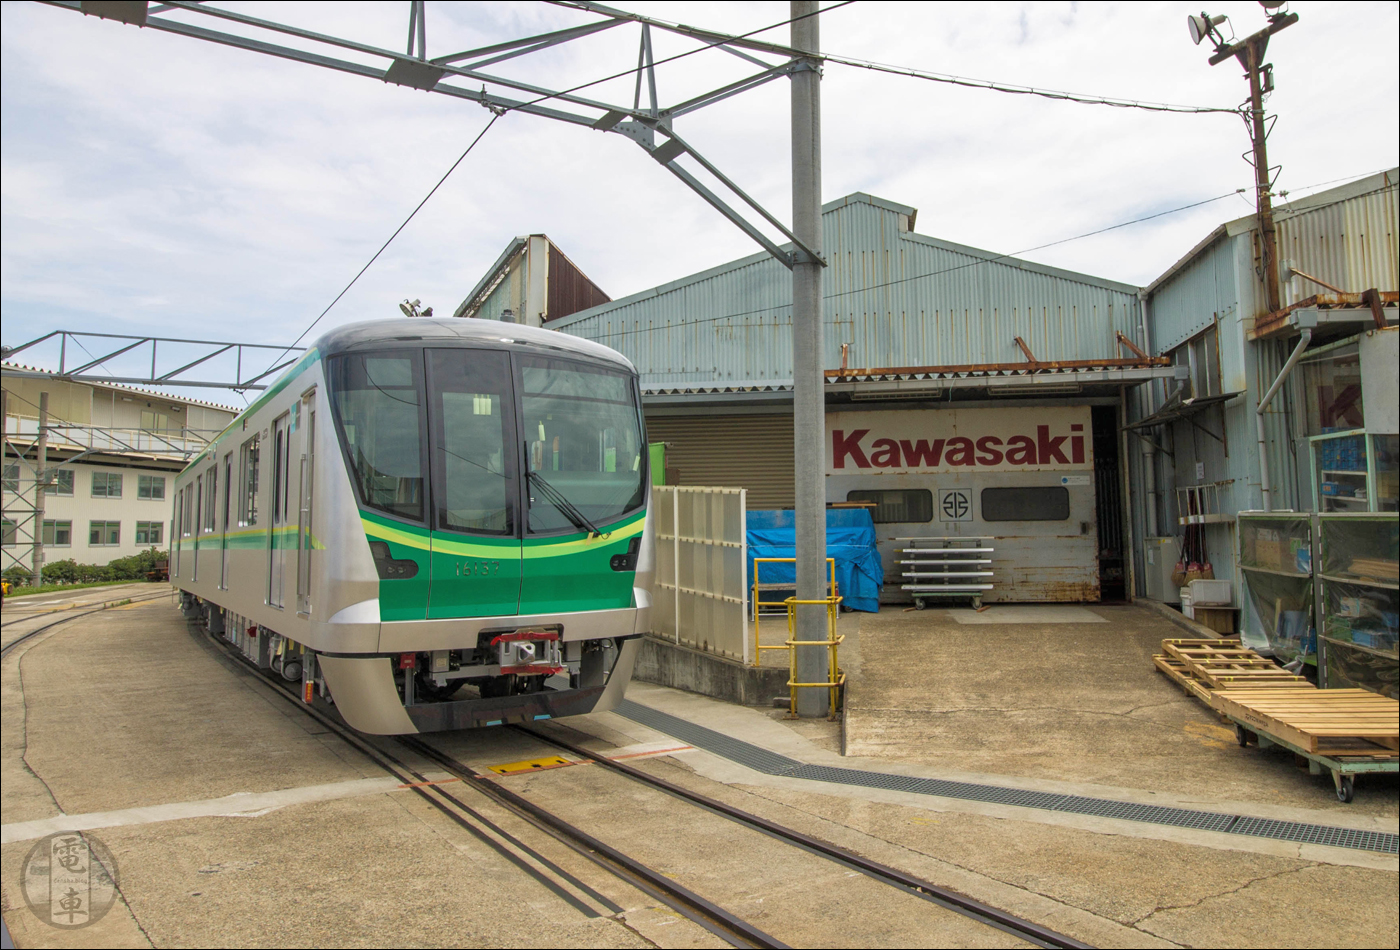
{"x":531,"y":765}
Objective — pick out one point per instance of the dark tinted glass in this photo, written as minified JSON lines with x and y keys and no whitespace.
{"x":583,"y":435}
{"x":897,"y":506}
{"x":474,"y":451}
{"x":378,"y":411}
{"x":1025,"y":504}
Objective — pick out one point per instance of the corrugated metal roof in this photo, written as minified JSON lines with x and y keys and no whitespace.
{"x":898,"y":298}
{"x":1350,"y":244}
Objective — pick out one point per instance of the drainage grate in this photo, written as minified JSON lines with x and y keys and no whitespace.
{"x":771,"y":763}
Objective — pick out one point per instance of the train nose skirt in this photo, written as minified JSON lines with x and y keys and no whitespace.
{"x":771,"y":763}
{"x":506,"y":710}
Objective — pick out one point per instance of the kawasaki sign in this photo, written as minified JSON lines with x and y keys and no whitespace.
{"x":1029,"y":439}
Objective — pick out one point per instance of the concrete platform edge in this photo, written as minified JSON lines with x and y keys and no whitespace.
{"x":679,"y":667}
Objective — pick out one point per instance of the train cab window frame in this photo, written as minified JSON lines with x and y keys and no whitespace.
{"x":1026,"y":503}
{"x":365,"y":392}
{"x":609,"y":440}
{"x":472,"y":427}
{"x":889,"y":510}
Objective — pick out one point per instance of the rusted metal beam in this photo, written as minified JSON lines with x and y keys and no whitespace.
{"x":1274,"y":323}
{"x":1115,"y":363}
{"x":1372,"y":299}
{"x":1124,"y":341}
{"x":1030,"y":357}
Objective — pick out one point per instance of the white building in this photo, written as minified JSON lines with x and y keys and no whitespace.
{"x":115,"y":449}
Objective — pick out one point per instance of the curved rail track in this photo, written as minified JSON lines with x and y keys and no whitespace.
{"x":5,"y":650}
{"x":728,"y":926}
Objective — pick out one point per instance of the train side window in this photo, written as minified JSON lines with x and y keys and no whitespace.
{"x":378,"y":405}
{"x":248,"y":482}
{"x":1050,"y":503}
{"x":473,"y":439}
{"x":896,"y":506}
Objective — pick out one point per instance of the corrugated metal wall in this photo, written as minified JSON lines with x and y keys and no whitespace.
{"x":900,"y":299}
{"x":508,"y":295}
{"x":730,"y":451}
{"x":1351,"y":244}
{"x":570,"y":290}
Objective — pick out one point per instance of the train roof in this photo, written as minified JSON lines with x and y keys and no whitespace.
{"x":353,"y":336}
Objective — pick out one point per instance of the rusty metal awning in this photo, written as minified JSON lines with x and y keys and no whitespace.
{"x":1176,"y":408}
{"x":1343,"y":313}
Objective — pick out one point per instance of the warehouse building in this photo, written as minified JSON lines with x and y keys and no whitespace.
{"x":968,"y":394}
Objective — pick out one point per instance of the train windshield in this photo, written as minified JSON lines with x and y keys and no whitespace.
{"x":377,"y":402}
{"x":583,"y":441}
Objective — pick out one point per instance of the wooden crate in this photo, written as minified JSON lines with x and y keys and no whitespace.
{"x":1219,"y":619}
{"x":1346,"y":722}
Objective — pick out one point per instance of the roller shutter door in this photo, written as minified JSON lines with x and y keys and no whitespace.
{"x":723,"y":451}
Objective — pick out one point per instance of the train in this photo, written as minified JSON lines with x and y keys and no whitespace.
{"x":430,"y":524}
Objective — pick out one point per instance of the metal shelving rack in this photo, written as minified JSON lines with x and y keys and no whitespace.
{"x":1358,"y":600}
{"x":956,"y":568}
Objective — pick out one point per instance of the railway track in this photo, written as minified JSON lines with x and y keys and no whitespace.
{"x":21,"y":638}
{"x":714,"y":918}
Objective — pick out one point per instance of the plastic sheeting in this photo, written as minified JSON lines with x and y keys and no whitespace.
{"x":850,"y":539}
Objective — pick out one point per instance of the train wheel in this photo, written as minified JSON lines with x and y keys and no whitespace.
{"x":426,"y":690}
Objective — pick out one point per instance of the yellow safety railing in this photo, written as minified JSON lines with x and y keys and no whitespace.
{"x":835,"y":678}
{"x":758,"y":646}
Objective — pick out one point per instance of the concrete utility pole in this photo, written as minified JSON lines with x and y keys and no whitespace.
{"x":808,"y":396}
{"x":41,"y":458}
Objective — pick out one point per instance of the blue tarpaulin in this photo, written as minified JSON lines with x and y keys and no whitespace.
{"x":850,"y":539}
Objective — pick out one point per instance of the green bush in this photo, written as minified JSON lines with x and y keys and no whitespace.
{"x":69,"y":571}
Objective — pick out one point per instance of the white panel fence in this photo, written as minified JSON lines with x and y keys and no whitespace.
{"x":701,"y":569}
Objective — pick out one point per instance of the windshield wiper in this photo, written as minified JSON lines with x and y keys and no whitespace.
{"x":556,"y":498}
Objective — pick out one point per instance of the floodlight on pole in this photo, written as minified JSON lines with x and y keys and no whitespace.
{"x":1204,"y":25}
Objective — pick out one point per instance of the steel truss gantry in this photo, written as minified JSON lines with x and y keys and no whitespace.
{"x":649,"y":124}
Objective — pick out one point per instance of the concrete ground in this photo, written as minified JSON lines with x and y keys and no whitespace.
{"x":254,"y":826}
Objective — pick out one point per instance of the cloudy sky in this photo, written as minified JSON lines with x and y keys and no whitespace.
{"x":158,"y":184}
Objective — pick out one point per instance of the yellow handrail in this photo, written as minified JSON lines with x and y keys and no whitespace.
{"x":758,"y":646}
{"x":835,"y":678}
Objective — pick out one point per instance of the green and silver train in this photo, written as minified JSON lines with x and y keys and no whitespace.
{"x":433,"y":524}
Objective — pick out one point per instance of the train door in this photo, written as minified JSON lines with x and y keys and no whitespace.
{"x":476,"y":549}
{"x":194,"y":538}
{"x":223,"y":539}
{"x":307,"y":466}
{"x":177,"y":534}
{"x":277,"y":534}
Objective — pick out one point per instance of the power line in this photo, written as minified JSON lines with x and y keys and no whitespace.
{"x":901,"y":280}
{"x":385,"y":245}
{"x":496,"y":114}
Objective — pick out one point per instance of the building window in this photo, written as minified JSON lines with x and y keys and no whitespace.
{"x":150,"y":487}
{"x":248,"y":483}
{"x":106,"y":484}
{"x":12,"y":477}
{"x":62,"y":483}
{"x":1332,"y":390}
{"x":150,"y":532}
{"x":1201,"y":356}
{"x":58,"y":534}
{"x":897,"y":506}
{"x":1025,"y":504}
{"x":153,"y":421}
{"x":104,"y":534}
{"x":7,"y":536}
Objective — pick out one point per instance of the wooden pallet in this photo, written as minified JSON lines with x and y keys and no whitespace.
{"x":1202,"y":667}
{"x":1338,"y":722}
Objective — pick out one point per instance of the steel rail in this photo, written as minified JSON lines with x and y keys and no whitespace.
{"x":735,"y":930}
{"x":732,"y":929}
{"x":25,"y":636}
{"x":950,"y":899}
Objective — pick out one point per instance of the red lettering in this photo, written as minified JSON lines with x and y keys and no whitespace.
{"x":1050,"y":448}
{"x":1020,"y":450}
{"x":960,"y":451}
{"x":1076,"y":444}
{"x":885,"y":453}
{"x":920,"y":453}
{"x":843,"y":445}
{"x":990,"y":454}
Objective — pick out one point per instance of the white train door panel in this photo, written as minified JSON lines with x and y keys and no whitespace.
{"x":305,"y":481}
{"x":277,"y":533}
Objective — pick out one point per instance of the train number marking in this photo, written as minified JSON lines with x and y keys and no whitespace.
{"x":478,"y":568}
